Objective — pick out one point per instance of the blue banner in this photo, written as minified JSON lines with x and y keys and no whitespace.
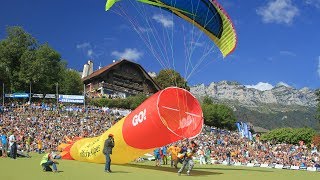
{"x":17,"y":95}
{"x":71,"y":98}
{"x":20,"y":95}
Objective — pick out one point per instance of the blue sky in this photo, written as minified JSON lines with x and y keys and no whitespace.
{"x":278,"y":40}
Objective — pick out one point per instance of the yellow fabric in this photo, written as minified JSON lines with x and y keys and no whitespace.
{"x":90,"y":149}
{"x":228,"y":40}
{"x":62,"y":146}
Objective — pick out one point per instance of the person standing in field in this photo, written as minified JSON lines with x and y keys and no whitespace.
{"x":174,"y":150}
{"x":39,"y":145}
{"x":28,"y":144}
{"x":164,"y":155}
{"x":157,"y":156}
{"x":201,"y":155}
{"x":13,"y":145}
{"x":107,"y":151}
{"x":4,"y":144}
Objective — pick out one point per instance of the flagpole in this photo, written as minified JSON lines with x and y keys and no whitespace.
{"x":84,"y":97}
{"x":30,"y":94}
{"x":57,"y":92}
{"x":3,"y":95}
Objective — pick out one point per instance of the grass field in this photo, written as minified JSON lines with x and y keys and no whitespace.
{"x":29,"y":169}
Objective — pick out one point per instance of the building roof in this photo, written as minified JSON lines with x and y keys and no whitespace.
{"x":100,"y":71}
{"x":106,"y":68}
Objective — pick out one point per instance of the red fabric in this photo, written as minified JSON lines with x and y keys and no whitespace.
{"x":167,"y":116}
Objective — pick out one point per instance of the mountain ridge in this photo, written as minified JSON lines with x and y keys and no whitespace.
{"x":281,"y":106}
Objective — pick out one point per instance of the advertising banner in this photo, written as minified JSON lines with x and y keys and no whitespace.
{"x":37,"y":95}
{"x":20,"y":95}
{"x":8,"y":95}
{"x":71,"y":98}
{"x":50,"y":96}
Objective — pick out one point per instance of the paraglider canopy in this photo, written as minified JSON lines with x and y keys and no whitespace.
{"x":207,"y":15}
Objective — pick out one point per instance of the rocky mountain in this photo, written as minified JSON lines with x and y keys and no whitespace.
{"x":281,"y":106}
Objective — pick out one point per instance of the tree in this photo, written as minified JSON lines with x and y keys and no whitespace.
{"x":23,"y":62}
{"x":169,"y":77}
{"x":131,"y":102}
{"x":41,"y":67}
{"x":71,"y":82}
{"x":218,"y":115}
{"x":318,"y":106}
{"x":11,"y":49}
{"x":136,"y":100}
{"x":207,"y":100}
{"x":290,"y":135}
{"x":316,"y":140}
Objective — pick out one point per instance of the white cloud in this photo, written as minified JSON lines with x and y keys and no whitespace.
{"x":260,"y":86}
{"x":278,"y":11}
{"x":130,"y":54}
{"x":83,"y":45}
{"x":90,"y":53}
{"x":319,"y":67}
{"x":152,"y":74}
{"x":165,"y":21}
{"x":287,"y":53}
{"x":315,"y":3}
{"x":86,"y":48}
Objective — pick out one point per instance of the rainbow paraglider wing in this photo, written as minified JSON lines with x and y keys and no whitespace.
{"x":207,"y":15}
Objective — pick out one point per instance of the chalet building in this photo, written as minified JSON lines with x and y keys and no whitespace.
{"x":120,"y":79}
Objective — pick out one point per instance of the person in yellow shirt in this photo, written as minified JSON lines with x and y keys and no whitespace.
{"x":173,"y":151}
{"x":28,"y":143}
{"x":39,"y":145}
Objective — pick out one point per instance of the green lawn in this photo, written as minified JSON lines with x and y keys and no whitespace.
{"x":29,"y":169}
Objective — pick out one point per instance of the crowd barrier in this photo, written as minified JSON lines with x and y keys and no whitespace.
{"x":276,"y":166}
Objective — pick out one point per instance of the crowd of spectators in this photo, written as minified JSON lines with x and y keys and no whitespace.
{"x":221,"y":146}
{"x":43,"y":126}
{"x":40,"y":126}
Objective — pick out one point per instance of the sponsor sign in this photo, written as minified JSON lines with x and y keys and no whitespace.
{"x":311,"y":169}
{"x":295,"y":167}
{"x":286,"y":167}
{"x":37,"y":95}
{"x":8,"y":95}
{"x":71,"y":98}
{"x":50,"y":96}
{"x":250,"y":164}
{"x":20,"y":95}
{"x":278,"y":166}
{"x":257,"y":165}
{"x":17,"y":95}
